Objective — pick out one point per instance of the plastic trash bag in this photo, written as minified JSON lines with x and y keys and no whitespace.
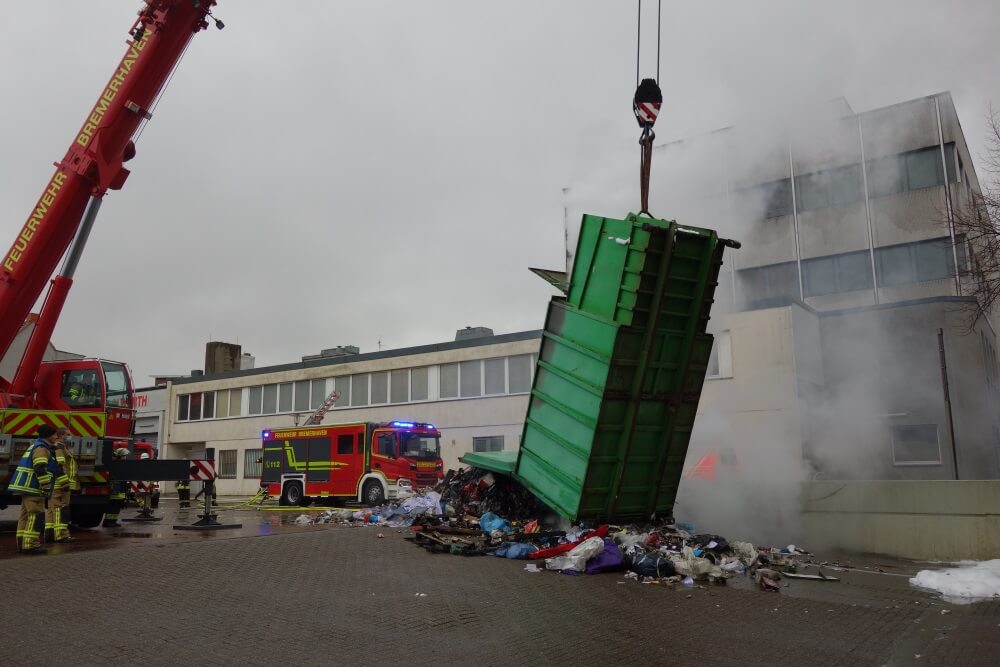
{"x":490,"y":522}
{"x":687,"y":563}
{"x":303,"y":520}
{"x":651,"y":565}
{"x":576,"y":559}
{"x":609,"y":560}
{"x":746,"y":552}
{"x":515,"y":550}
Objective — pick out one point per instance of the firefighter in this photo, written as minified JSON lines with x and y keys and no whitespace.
{"x":184,"y":493}
{"x":33,"y":482}
{"x":57,"y":513}
{"x":116,"y":501}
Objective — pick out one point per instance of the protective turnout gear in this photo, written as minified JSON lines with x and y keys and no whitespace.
{"x":184,"y":493}
{"x":32,"y":480}
{"x":116,"y":500}
{"x":57,"y":512}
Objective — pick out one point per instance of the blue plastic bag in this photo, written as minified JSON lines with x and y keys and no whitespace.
{"x":490,"y":522}
{"x":515,"y":550}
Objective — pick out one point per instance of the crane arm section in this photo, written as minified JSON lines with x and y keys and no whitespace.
{"x":94,"y":162}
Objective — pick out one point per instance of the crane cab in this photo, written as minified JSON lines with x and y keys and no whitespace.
{"x":88,"y":385}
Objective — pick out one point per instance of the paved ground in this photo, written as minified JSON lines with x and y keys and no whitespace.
{"x":317,"y":595}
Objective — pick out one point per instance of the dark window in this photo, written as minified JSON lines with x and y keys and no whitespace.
{"x":270,"y":399}
{"x":836,"y":274}
{"x":923,"y":168}
{"x":255,"y":397}
{"x":470,"y":376}
{"x":418,"y":384}
{"x":252,"y":463}
{"x":778,"y":198}
{"x":196,"y":408}
{"x":449,"y":380}
{"x":846,"y":185}
{"x":302,"y":395}
{"x":183,"y":406}
{"x":914,"y":444}
{"x":520,"y":373}
{"x":208,"y":405}
{"x":399,"y":386}
{"x":227,"y":463}
{"x":81,"y":389}
{"x":380,"y":387}
{"x":933,"y":259}
{"x":285,"y":397}
{"x":343,"y":387}
{"x":495,"y":375}
{"x":812,"y":191}
{"x":885,"y":176}
{"x":766,"y":286}
{"x":895,"y":266}
{"x":490,"y":443}
{"x":318,"y":394}
{"x":345,"y":444}
{"x":359,"y":389}
{"x":820,"y":276}
{"x":386,"y":445}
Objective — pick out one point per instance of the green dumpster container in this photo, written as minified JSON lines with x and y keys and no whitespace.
{"x":621,"y":370}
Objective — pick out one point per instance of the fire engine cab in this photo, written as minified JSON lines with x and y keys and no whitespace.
{"x":368,"y":462}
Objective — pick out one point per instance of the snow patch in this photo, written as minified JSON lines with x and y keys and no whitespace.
{"x":973,"y":581}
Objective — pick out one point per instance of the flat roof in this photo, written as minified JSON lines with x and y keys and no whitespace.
{"x":369,"y":356}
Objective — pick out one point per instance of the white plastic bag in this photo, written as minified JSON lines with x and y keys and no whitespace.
{"x":577,"y":558}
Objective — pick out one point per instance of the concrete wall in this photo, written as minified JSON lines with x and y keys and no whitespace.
{"x":923,"y":520}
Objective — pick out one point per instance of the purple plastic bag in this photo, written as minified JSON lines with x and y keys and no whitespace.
{"x":609,"y":560}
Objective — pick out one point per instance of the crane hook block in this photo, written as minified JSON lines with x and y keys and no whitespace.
{"x":646,"y":104}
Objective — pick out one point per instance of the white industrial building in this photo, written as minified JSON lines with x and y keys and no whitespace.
{"x":474,"y":389}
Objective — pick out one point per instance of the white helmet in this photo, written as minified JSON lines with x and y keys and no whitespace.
{"x":121,"y":452}
{"x":143,"y":456}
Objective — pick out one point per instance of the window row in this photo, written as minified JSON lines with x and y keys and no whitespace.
{"x":252,"y":462}
{"x":904,"y":264}
{"x":912,"y":170}
{"x":465,"y":379}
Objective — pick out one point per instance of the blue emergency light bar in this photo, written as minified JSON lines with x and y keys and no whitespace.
{"x":398,"y":424}
{"x":264,"y":435}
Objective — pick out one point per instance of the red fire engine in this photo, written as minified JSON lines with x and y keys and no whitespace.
{"x":368,"y":462}
{"x":90,"y":397}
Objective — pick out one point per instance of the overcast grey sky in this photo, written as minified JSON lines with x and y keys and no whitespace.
{"x":325,"y":173}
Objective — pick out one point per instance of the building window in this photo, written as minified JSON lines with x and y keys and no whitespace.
{"x":270,"y":405}
{"x":319,"y":394}
{"x":302,"y":395}
{"x":255,"y":399}
{"x":208,"y":405}
{"x":285,"y":397}
{"x":470,"y":375}
{"x":519,"y":368}
{"x":227,"y":464}
{"x":418,"y":384}
{"x":916,"y":444}
{"x":720,"y":361}
{"x":449,"y":381}
{"x":359,"y":389}
{"x":495,"y":376}
{"x":399,"y":386}
{"x":836,"y":274}
{"x":343,"y":387}
{"x":252,"y":463}
{"x":380,"y":387}
{"x":847,"y":185}
{"x":195,"y":407}
{"x":767,"y":286}
{"x":910,"y":263}
{"x":490,"y":443}
{"x":183,"y":407}
{"x":910,"y":171}
{"x":222,"y":403}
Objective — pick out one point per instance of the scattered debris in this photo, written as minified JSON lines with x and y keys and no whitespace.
{"x":971,"y":581}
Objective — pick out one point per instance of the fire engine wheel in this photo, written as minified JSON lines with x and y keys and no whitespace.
{"x":372,"y":493}
{"x":292,"y":494}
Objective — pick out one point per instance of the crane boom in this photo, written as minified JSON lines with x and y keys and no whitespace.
{"x":92,"y":166}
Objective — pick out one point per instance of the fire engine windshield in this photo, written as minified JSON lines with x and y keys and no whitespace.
{"x":417,"y":446}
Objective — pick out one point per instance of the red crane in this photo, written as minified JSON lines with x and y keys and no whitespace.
{"x":92,"y":166}
{"x":91,"y":397}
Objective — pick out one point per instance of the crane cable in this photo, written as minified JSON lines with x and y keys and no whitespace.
{"x":646,"y":107}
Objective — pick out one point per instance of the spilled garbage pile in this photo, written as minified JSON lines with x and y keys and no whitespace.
{"x":476,"y":513}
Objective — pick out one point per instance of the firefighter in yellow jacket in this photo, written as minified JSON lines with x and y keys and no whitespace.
{"x":33,"y":482}
{"x":57,"y":513}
